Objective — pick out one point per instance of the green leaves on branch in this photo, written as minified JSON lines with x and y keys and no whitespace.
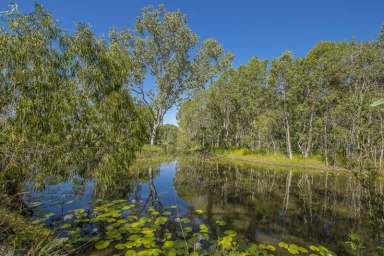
{"x":65,"y":102}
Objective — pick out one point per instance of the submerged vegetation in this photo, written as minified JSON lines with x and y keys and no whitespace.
{"x":74,"y":110}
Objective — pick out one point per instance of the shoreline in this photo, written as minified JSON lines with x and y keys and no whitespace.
{"x":289,"y":165}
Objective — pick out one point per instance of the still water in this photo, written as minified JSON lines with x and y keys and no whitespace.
{"x":262,"y":204}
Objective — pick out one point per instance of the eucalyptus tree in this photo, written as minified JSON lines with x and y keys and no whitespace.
{"x":170,"y":52}
{"x":281,"y":80}
{"x":251,"y":90}
{"x":318,"y":104}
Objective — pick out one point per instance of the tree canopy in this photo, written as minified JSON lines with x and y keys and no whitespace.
{"x":65,"y":102}
{"x":171,"y":53}
{"x":318,"y":104}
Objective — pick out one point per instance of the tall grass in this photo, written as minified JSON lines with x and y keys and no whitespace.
{"x":20,"y":236}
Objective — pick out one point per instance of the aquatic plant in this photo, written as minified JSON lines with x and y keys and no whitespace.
{"x":120,"y":227}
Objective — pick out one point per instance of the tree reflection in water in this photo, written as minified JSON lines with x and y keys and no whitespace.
{"x":272,"y":205}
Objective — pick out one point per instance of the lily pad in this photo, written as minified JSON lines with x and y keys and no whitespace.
{"x":102,"y":244}
{"x":130,"y":253}
{"x":199,"y":211}
{"x":220,"y":222}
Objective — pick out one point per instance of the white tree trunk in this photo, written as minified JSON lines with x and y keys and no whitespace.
{"x":155,"y":127}
{"x":288,"y":138}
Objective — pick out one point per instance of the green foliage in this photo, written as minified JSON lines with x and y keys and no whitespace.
{"x":64,"y":104}
{"x":66,"y":99}
{"x":316,"y":105}
{"x":152,"y":149}
{"x":354,"y":242}
{"x":167,"y":137}
{"x":22,"y":236}
{"x":169,"y":50}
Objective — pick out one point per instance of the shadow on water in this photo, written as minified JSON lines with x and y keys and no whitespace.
{"x":262,"y":205}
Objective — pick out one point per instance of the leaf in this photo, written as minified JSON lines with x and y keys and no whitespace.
{"x":377,"y":103}
{"x":120,"y":246}
{"x":171,"y":252}
{"x":185,"y":220}
{"x":127,"y":207}
{"x":161,"y":221}
{"x":314,"y":248}
{"x":102,"y":244}
{"x":199,"y":211}
{"x":220,"y":222}
{"x":168,"y":244}
{"x":203,"y":228}
{"x":268,"y":247}
{"x":48,"y":215}
{"x":130,"y":253}
{"x":230,"y":232}
{"x":80,"y":211}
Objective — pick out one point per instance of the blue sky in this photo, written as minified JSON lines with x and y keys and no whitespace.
{"x":262,"y":28}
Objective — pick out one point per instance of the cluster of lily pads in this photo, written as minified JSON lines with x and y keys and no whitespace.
{"x":121,"y":228}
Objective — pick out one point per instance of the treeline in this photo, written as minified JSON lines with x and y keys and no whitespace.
{"x":317,"y":104}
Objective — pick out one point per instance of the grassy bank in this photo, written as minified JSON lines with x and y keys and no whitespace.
{"x":20,"y":236}
{"x":150,"y":155}
{"x":275,"y":159}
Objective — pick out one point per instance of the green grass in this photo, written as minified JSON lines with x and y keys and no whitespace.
{"x":277,"y":159}
{"x":152,"y":149}
{"x":19,"y":234}
{"x":148,"y":151}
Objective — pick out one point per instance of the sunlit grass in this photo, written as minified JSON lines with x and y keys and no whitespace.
{"x":276,"y":158}
{"x":151,"y":149}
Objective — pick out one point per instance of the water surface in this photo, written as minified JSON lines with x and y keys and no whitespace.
{"x":261,"y":204}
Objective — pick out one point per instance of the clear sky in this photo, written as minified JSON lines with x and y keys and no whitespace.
{"x":262,"y":28}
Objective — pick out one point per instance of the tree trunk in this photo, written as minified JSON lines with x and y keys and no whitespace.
{"x":287,"y":127}
{"x":326,"y":144}
{"x":309,"y":139}
{"x":288,"y":138}
{"x":155,"y":127}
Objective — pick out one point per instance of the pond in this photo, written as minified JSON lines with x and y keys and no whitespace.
{"x":261,"y":204}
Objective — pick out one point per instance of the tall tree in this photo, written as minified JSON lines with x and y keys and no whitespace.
{"x":282,"y":82}
{"x":316,"y":104}
{"x":170,"y":53}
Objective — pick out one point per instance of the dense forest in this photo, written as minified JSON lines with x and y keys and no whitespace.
{"x":318,"y":104}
